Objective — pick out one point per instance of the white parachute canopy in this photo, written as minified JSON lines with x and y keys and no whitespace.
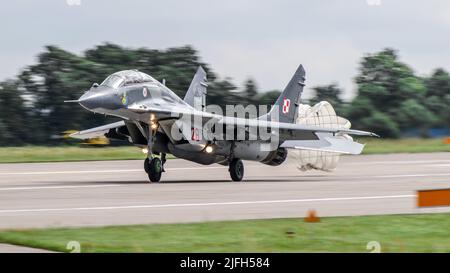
{"x":322,"y":115}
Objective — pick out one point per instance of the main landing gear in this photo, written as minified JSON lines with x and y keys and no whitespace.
{"x":236,"y":169}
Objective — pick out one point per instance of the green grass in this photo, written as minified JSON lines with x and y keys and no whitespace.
{"x":67,"y":153}
{"x":395,"y":233}
{"x":76,"y":153}
{"x":407,"y":145}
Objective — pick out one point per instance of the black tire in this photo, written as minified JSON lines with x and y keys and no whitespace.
{"x":154,"y":170}
{"x":146,"y":165}
{"x":236,"y":169}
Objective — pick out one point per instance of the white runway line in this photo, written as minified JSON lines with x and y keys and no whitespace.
{"x":207,"y":204}
{"x":58,"y":187}
{"x":439,"y":165}
{"x":412,"y":175}
{"x":398,"y":162}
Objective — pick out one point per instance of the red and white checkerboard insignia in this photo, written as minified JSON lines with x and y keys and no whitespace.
{"x":286,"y":105}
{"x":195,"y":134}
{"x":144,"y":92}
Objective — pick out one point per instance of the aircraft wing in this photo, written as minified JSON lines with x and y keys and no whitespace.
{"x":308,"y":137}
{"x":97,"y":131}
{"x":290,"y":126}
{"x":291,"y":135}
{"x":172,"y":110}
{"x":177,"y":112}
{"x":326,"y":143}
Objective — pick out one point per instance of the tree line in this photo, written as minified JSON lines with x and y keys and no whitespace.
{"x":390,"y":99}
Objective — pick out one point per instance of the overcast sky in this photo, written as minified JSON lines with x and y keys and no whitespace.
{"x":265,"y":40}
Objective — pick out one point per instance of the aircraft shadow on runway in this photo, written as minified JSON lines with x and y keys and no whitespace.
{"x":316,"y":178}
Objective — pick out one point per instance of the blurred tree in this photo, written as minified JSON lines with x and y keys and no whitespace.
{"x":386,"y":81}
{"x":437,"y":98}
{"x":266,"y":99}
{"x":58,"y":76}
{"x":269,"y":97}
{"x":14,"y":125}
{"x":390,"y":97}
{"x":330,"y":93}
{"x":380,"y":123}
{"x":413,"y":114}
{"x":390,"y":87}
{"x":250,"y":91}
{"x":222,"y":93}
{"x":6,"y":135}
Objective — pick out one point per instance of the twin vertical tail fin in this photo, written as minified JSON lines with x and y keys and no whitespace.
{"x":196,"y":94}
{"x":285,"y":108}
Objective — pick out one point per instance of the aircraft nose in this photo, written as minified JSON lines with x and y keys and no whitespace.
{"x":91,"y":100}
{"x":99,"y":99}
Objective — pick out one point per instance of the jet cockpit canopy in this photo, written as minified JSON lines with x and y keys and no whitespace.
{"x":127,"y":77}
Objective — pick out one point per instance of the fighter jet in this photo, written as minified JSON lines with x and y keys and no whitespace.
{"x":155,"y":119}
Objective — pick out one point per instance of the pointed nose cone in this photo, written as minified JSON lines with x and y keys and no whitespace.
{"x":91,"y":100}
{"x":100,"y":99}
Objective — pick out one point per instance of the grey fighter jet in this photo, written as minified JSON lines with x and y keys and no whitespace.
{"x":155,"y":119}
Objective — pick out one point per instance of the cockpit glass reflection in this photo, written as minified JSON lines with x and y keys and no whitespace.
{"x":113,"y":81}
{"x":126,"y":77}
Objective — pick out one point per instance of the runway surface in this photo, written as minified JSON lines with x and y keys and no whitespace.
{"x":117,"y":192}
{"x":6,"y":248}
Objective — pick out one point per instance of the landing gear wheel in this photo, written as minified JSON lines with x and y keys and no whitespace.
{"x":146,"y":165}
{"x":236,"y":169}
{"x":154,"y":169}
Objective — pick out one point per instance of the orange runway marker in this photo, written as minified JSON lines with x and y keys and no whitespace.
{"x":447,"y":140}
{"x":433,"y":198}
{"x":312,"y":217}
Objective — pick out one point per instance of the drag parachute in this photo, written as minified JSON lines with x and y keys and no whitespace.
{"x":321,"y":114}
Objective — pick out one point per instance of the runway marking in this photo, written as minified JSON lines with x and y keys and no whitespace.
{"x":209,"y":204}
{"x":411,"y":175}
{"x":58,"y":187}
{"x":107,"y":171}
{"x":397,"y":162}
{"x":439,"y":165}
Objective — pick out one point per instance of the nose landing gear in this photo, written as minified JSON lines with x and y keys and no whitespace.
{"x":154,"y":168}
